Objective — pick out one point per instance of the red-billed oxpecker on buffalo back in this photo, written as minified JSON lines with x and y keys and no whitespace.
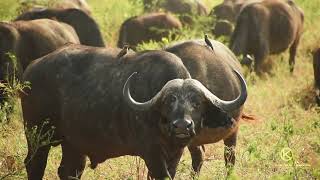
{"x":316,"y":71}
{"x":215,"y":70}
{"x":139,"y":29}
{"x":29,"y":40}
{"x":268,"y":27}
{"x":101,"y":109}
{"x":85,"y":26}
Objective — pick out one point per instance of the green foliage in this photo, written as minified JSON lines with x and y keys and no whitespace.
{"x":40,"y":136}
{"x":8,"y":10}
{"x":111,"y":14}
{"x":10,"y":88}
{"x":185,"y":33}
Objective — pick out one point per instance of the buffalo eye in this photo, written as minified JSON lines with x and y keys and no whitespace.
{"x":172,"y":99}
{"x":196,"y":104}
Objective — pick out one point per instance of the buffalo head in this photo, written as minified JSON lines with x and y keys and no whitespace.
{"x":223,"y":28}
{"x":183,"y":105}
{"x":8,"y":39}
{"x":224,"y":11}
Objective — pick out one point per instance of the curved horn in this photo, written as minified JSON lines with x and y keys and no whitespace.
{"x":229,"y":106}
{"x":141,"y":106}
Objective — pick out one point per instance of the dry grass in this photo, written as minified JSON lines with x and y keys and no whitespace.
{"x":289,"y":118}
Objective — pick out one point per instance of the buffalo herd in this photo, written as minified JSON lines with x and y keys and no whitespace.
{"x":103,"y":102}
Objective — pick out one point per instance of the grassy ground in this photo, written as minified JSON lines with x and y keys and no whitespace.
{"x":283,"y":144}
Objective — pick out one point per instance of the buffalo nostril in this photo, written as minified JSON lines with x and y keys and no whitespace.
{"x":182,"y":124}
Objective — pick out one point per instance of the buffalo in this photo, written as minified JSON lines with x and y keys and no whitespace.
{"x":29,"y":40}
{"x":183,"y":8}
{"x":316,"y":71}
{"x":268,"y":27}
{"x":61,"y":4}
{"x":222,"y":28}
{"x":74,"y":4}
{"x":85,"y":26}
{"x":214,"y":69}
{"x":147,"y":27}
{"x":228,"y":9}
{"x":226,"y":14}
{"x":82,"y":97}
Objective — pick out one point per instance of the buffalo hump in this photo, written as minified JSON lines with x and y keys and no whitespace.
{"x":28,"y":40}
{"x":85,"y":26}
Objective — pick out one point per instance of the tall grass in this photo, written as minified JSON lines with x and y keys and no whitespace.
{"x":283,"y":144}
{"x":111,"y":14}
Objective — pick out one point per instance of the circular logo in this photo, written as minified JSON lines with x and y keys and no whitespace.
{"x":286,"y":154}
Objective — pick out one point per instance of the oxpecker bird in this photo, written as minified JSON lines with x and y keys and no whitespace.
{"x":247,"y":60}
{"x":206,"y":39}
{"x":124,"y":51}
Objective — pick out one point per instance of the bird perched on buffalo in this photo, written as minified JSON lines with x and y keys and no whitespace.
{"x":206,"y":39}
{"x":247,"y":60}
{"x":124,"y":51}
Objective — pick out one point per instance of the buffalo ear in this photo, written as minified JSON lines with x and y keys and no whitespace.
{"x":214,"y":117}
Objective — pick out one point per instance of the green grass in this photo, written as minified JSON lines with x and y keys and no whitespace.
{"x":289,"y":120}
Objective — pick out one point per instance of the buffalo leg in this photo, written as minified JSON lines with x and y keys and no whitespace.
{"x":229,"y":151}
{"x":157,"y":165}
{"x":36,"y":161}
{"x":173,"y":163}
{"x":72,"y":163}
{"x":197,"y":158}
{"x":260,"y":56}
{"x":318,"y":96}
{"x":293,"y":52}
